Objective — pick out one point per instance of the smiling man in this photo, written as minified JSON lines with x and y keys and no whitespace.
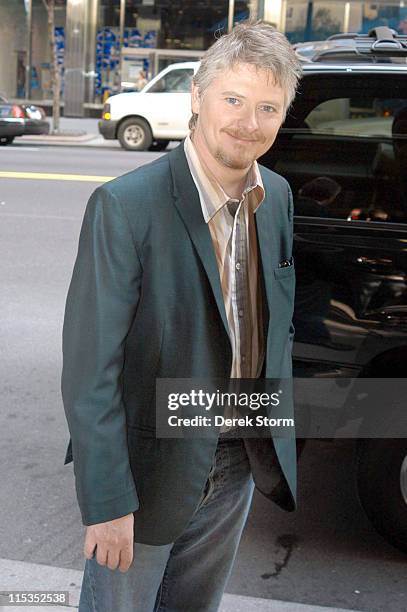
{"x":240,"y":115}
{"x":184,"y":270}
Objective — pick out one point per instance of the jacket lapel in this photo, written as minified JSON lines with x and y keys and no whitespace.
{"x":264,"y":302}
{"x":266,"y":242}
{"x":189,"y":207}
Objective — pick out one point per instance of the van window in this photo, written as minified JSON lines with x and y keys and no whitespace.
{"x":176,"y":81}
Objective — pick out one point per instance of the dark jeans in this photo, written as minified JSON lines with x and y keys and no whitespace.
{"x":190,"y":574}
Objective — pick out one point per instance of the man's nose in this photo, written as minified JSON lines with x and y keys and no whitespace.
{"x":249,"y":120}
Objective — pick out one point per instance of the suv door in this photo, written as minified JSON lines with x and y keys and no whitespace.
{"x":169,"y":103}
{"x":343,"y":150}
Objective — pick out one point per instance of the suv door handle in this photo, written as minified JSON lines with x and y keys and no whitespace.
{"x":395,"y":317}
{"x":374,"y":261}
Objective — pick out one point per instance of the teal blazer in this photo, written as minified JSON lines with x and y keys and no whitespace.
{"x":145,"y":302}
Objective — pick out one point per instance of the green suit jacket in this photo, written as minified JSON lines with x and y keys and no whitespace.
{"x":144,"y":302}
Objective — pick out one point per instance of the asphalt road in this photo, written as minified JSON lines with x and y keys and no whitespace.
{"x":325,"y":553}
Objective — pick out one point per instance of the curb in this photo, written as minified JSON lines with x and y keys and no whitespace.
{"x":20,"y":575}
{"x":82,"y":140}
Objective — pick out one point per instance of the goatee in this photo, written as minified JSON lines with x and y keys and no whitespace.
{"x":232,"y":162}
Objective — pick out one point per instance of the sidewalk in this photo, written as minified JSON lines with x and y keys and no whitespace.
{"x":80,"y":140}
{"x":19,"y":575}
{"x":74,"y":132}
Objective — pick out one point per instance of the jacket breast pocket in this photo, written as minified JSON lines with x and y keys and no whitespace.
{"x":283,"y":291}
{"x":287,"y":272}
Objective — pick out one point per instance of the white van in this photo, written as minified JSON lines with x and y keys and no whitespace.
{"x":150,"y":118}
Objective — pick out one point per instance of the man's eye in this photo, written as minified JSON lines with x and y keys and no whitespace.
{"x":232,"y":101}
{"x":268,"y":108}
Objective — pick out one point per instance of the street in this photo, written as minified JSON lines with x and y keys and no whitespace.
{"x":326,"y":553}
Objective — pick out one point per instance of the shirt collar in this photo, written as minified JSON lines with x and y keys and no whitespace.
{"x":212,"y":196}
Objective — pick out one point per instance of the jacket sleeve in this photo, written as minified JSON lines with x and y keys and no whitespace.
{"x":100,"y":306}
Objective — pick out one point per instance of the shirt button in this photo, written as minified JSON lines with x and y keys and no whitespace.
{"x":240,"y":313}
{"x":243,"y":358}
{"x":238,"y":266}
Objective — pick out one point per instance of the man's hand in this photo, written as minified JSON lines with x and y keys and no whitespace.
{"x":114,"y":541}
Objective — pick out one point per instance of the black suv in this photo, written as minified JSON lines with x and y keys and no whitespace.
{"x":343,"y":149}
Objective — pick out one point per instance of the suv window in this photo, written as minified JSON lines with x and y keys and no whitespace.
{"x":363,"y":118}
{"x":346,"y":156}
{"x":175,"y":81}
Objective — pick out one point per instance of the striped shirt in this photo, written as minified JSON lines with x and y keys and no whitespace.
{"x":222,"y":227}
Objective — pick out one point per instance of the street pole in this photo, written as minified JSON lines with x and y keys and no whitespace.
{"x":122,"y":16}
{"x":29,"y":11}
{"x":121,"y":39}
{"x":346,"y":17}
{"x":308,"y":25}
{"x":90,"y":50}
{"x":231,"y":14}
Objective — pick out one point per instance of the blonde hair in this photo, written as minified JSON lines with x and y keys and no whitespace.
{"x":256,"y":43}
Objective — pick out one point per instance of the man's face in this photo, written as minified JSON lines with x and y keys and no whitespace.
{"x":239,"y":115}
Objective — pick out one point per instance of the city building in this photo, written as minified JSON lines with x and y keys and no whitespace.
{"x":106,"y":46}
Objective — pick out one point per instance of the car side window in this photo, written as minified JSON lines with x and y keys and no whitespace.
{"x":175,"y":81}
{"x":5,"y":111}
{"x":347,"y":159}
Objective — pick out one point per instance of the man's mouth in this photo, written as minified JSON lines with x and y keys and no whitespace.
{"x":241,"y":139}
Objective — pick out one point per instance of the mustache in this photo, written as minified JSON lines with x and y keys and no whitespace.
{"x":243,"y":135}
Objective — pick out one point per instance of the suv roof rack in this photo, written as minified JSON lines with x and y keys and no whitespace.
{"x":342,"y":35}
{"x":380,"y":41}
